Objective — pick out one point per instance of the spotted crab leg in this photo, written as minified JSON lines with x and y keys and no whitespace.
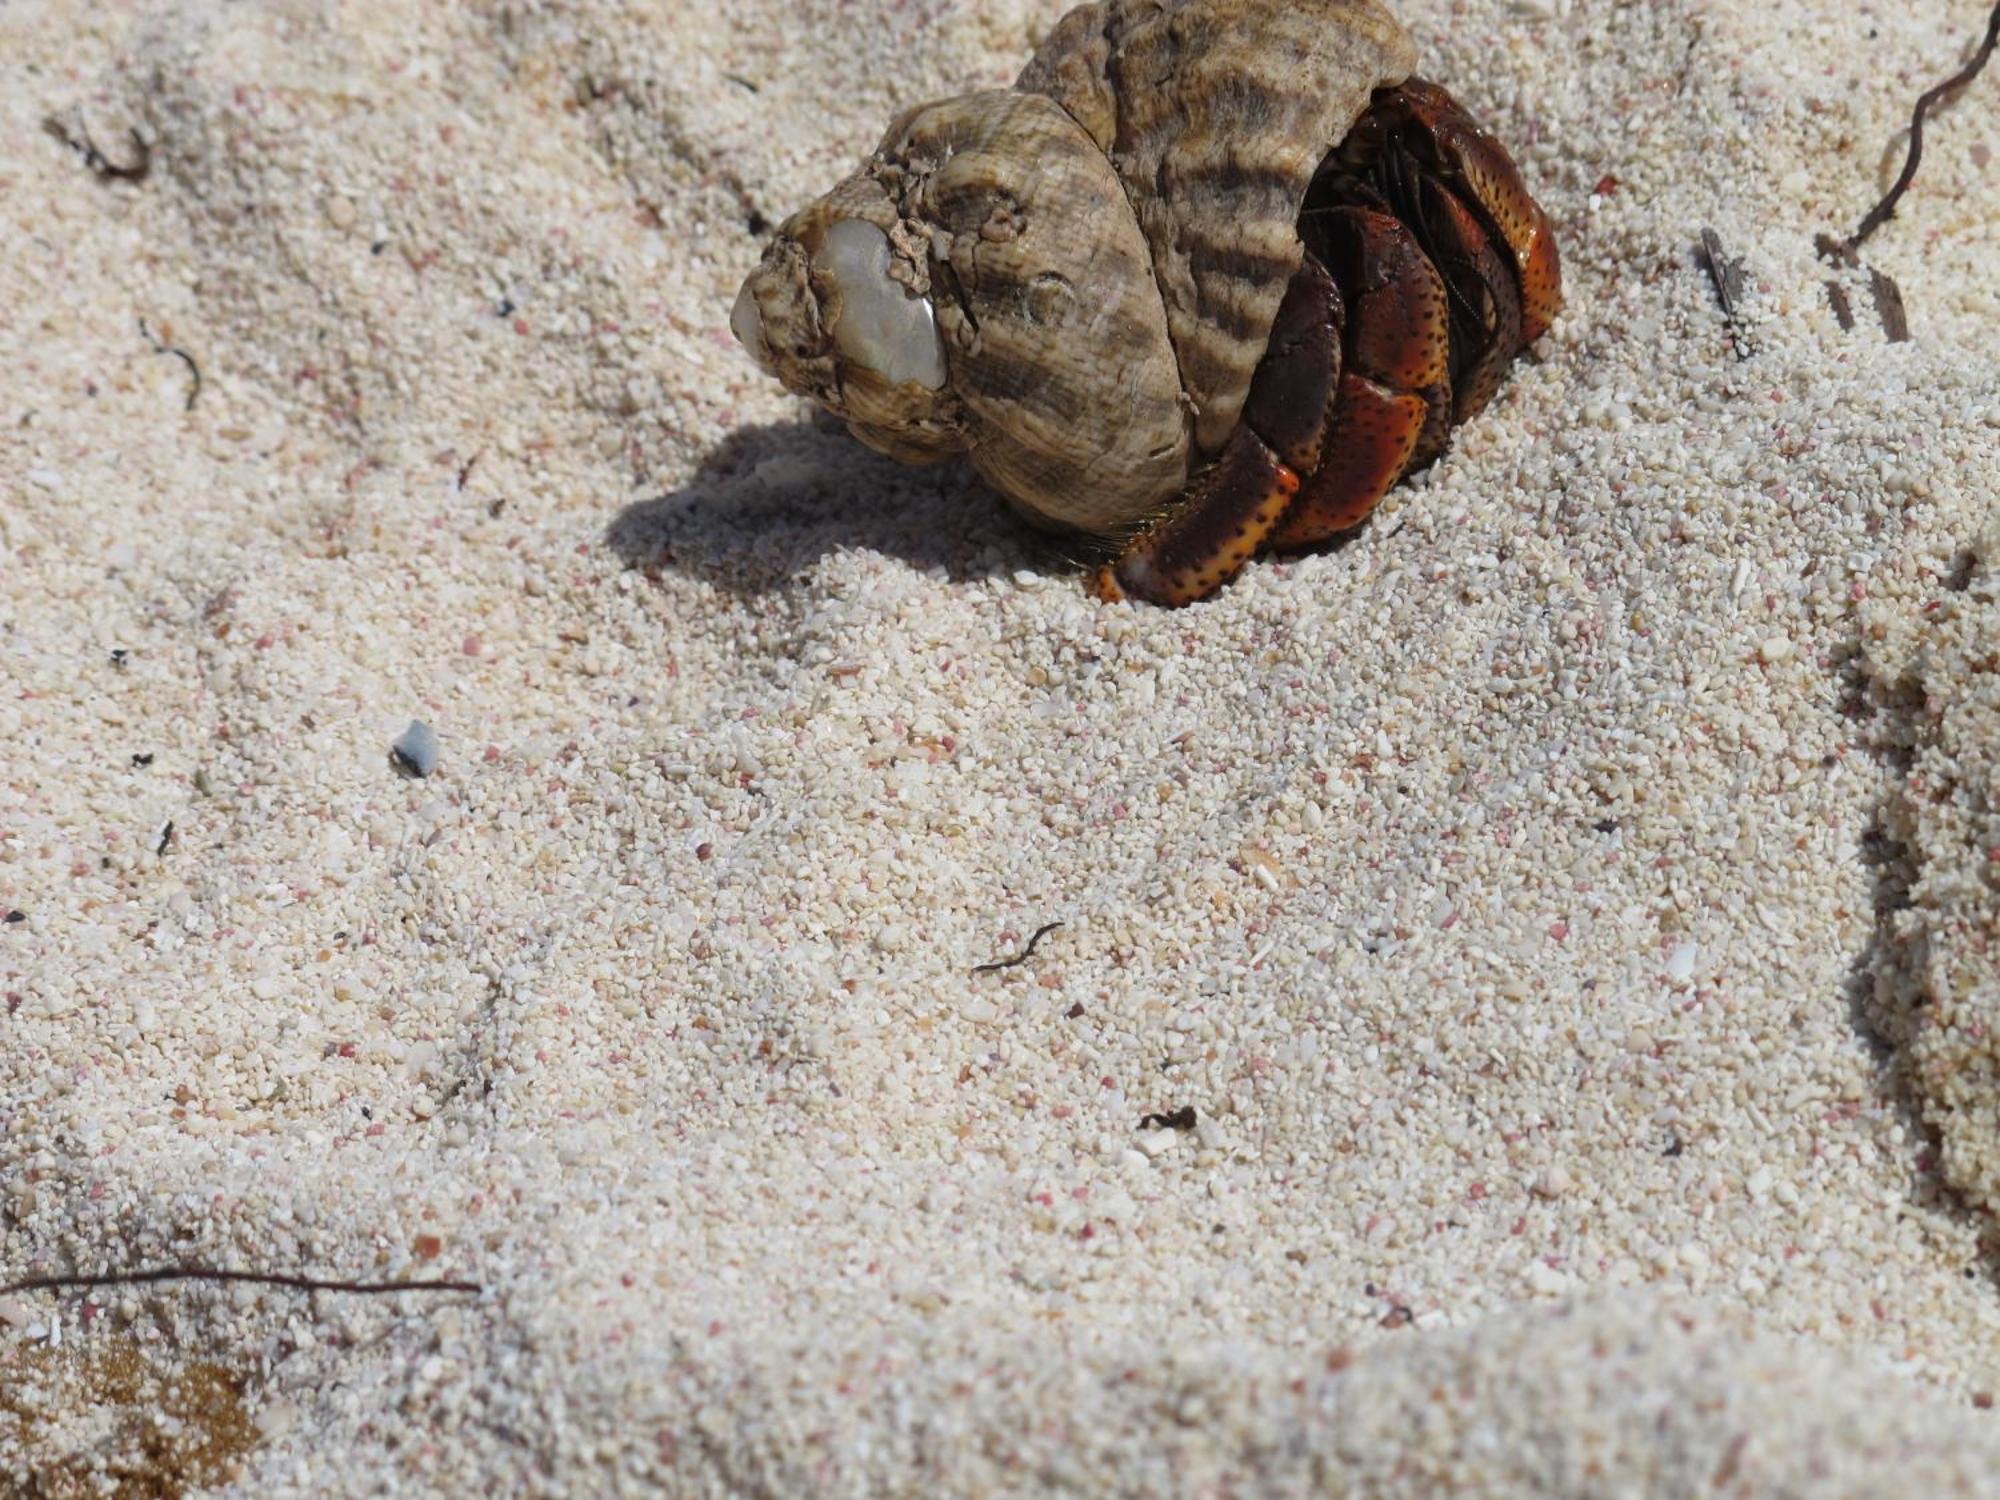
{"x":1393,"y":404}
{"x":1417,"y":153}
{"x":1428,"y":267}
{"x":1236,"y":504}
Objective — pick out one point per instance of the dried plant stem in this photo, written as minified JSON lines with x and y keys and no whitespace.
{"x":209,"y":1273}
{"x":1881,"y":213}
{"x":1023,"y":956}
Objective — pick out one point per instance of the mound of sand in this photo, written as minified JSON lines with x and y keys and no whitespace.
{"x":1935,"y":670}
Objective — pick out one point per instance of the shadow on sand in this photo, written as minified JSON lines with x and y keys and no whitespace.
{"x":1888,"y":983}
{"x":774,"y":500}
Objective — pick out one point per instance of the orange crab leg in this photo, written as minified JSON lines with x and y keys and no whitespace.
{"x":1477,"y":164}
{"x":1233,"y":507}
{"x":1427,"y":268}
{"x":1226,"y":516}
{"x":1452,"y":148}
{"x":1376,"y":432}
{"x":1393,"y":404}
{"x":1485,"y":298}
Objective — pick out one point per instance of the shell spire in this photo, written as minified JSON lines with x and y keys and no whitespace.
{"x":1215,"y":114}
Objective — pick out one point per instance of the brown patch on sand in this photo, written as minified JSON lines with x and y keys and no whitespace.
{"x":109,"y":1416}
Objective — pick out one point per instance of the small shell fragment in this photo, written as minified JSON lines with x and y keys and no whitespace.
{"x":416,"y":749}
{"x":1681,"y":962}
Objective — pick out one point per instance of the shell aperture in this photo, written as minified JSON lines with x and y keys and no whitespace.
{"x":881,"y":324}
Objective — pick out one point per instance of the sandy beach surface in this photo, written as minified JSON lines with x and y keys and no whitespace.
{"x":1569,"y":909}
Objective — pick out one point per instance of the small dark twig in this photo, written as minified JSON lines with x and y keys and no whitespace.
{"x":1881,"y":286}
{"x":1889,"y":306}
{"x":1881,"y":213}
{"x":1183,"y":1118}
{"x":1727,"y":277}
{"x":166,"y":835}
{"x":1843,"y":307}
{"x":1023,"y":956}
{"x":1888,"y":296}
{"x":208,"y":1273}
{"x":1687,"y":60}
{"x":180,"y":354}
{"x":79,"y":141}
{"x":1727,"y":274}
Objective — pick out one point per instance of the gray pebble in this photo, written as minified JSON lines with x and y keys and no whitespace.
{"x":416,"y":750}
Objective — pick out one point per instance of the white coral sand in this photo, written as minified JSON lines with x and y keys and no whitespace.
{"x":1516,"y":893}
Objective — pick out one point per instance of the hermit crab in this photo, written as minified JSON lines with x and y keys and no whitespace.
{"x":1210,"y":278}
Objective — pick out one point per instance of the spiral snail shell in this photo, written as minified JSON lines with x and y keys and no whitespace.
{"x":1080,"y":282}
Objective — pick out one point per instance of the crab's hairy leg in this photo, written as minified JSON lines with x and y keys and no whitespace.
{"x":1291,"y":393}
{"x":1484,"y":293}
{"x":1233,"y":506}
{"x":1485,"y":177}
{"x":1417,"y":154}
{"x":1414,"y":132}
{"x":1393,"y":402}
{"x":1399,"y":335}
{"x":1541,"y":279}
{"x":1402,"y":177}
{"x":1378,"y":433}
{"x":1225,"y":516}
